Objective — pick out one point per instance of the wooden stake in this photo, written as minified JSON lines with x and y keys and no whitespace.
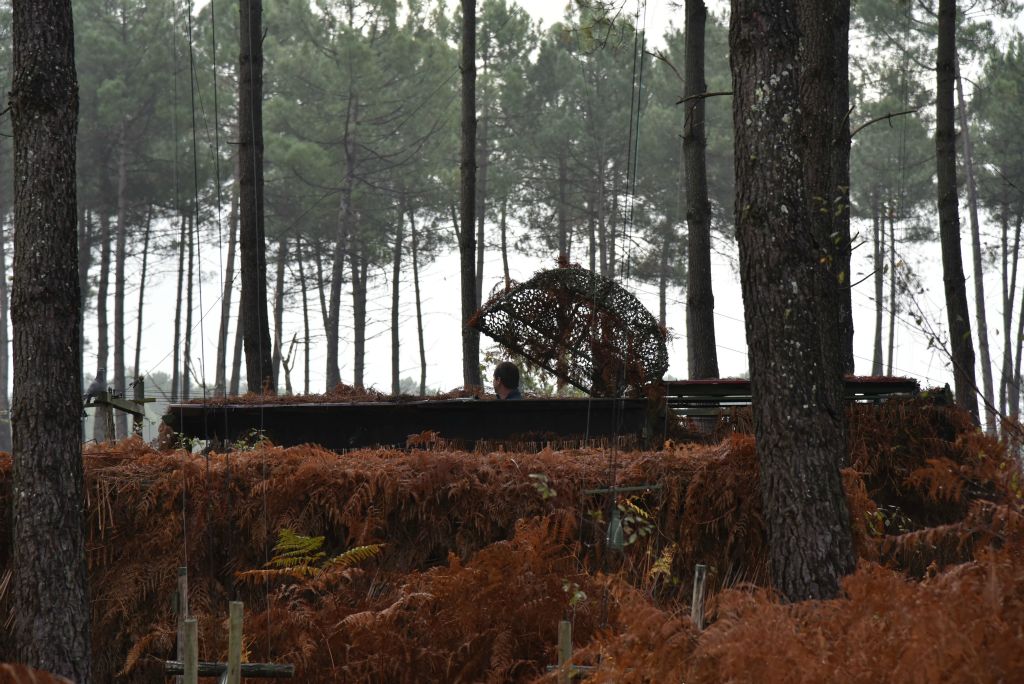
{"x":564,"y":651}
{"x":181,"y":608}
{"x":700,"y":575}
{"x":234,"y":673}
{"x":191,"y":659}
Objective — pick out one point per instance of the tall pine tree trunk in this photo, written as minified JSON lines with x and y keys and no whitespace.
{"x":5,"y":359}
{"x":236,"y":358}
{"x":178,"y":305}
{"x":85,"y":241}
{"x":979,"y":272}
{"x":957,"y":311}
{"x":563,"y":206}
{"x":840,"y":180}
{"x":142,"y":292}
{"x":282,"y":258}
{"x":220,"y":374}
{"x":5,"y":404}
{"x":50,"y":584}
{"x":799,"y":432}
{"x":346,"y":219}
{"x":359,"y":265}
{"x":591,"y":238}
{"x":467,"y":238}
{"x":396,"y":274}
{"x":1015,"y":381}
{"x":892,"y":286}
{"x":503,"y":227}
{"x":481,"y":205}
{"x":99,"y":427}
{"x":305,"y":313}
{"x":1009,"y":282}
{"x":877,"y":241}
{"x":186,"y":354}
{"x":663,"y":266}
{"x":120,"y":417}
{"x":253,"y":243}
{"x":419,"y":307}
{"x":701,"y":351}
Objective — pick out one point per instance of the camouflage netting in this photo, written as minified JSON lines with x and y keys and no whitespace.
{"x":584,"y":328}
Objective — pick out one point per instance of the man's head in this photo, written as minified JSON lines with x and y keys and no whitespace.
{"x":506,"y":378}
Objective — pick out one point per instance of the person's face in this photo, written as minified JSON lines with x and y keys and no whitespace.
{"x":497,"y":384}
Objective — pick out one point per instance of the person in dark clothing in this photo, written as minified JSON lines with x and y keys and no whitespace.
{"x":506,"y":381}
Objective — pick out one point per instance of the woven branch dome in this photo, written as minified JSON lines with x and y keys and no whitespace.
{"x":582,"y":327}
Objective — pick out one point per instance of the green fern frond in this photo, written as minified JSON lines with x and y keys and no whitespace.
{"x":294,"y":562}
{"x":354,"y":556}
{"x":301,"y":557}
{"x":300,"y":572}
{"x":290,"y":544}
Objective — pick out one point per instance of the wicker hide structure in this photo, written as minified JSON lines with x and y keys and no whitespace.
{"x":582,"y":327}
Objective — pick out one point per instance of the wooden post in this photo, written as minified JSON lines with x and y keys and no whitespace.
{"x":191,"y":659}
{"x":234,"y":673}
{"x":139,"y":395}
{"x":700,"y":575}
{"x":105,"y":413}
{"x":564,"y":651}
{"x":181,"y":607}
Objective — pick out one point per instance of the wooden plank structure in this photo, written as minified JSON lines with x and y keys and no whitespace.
{"x":464,"y":422}
{"x":709,"y":397}
{"x":105,"y":402}
{"x":340,"y":426}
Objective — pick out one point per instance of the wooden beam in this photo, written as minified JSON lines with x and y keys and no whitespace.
{"x":254,"y":670}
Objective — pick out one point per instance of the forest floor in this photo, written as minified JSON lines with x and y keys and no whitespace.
{"x":456,"y":566}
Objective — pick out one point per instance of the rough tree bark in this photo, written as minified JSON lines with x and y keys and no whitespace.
{"x":798,"y":426}
{"x":961,"y":344}
{"x":253,"y":243}
{"x":701,"y":352}
{"x":50,"y":591}
{"x":823,"y":34}
{"x":467,"y":167}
